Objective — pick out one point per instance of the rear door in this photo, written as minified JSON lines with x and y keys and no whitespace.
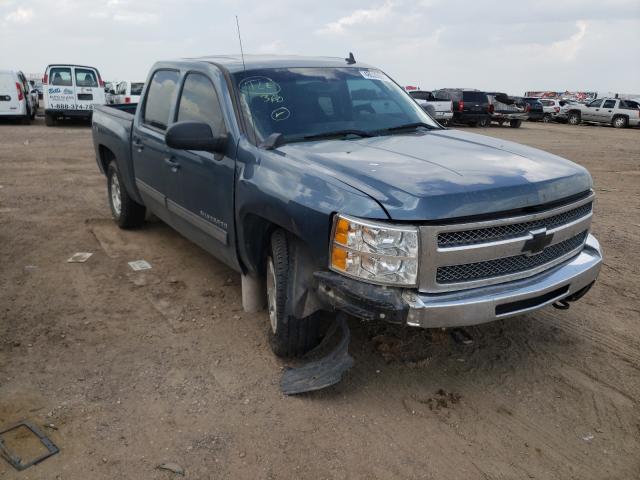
{"x":88,"y":91}
{"x":9,"y":94}
{"x":591,"y":112}
{"x":59,"y":94}
{"x":148,"y":149}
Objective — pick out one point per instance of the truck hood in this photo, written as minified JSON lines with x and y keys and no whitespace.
{"x":442,"y":174}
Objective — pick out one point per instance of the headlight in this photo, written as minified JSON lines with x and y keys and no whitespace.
{"x":376,"y":252}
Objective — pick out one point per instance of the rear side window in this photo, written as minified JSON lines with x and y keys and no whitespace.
{"x":441,"y":95}
{"x":136,"y":88}
{"x":609,"y":104}
{"x":159,"y":98}
{"x":421,"y":95}
{"x":86,"y":78}
{"x":595,"y":104}
{"x":60,"y":77}
{"x":199,"y":103}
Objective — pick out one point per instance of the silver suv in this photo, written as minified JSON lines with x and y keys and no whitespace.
{"x":613,"y":111}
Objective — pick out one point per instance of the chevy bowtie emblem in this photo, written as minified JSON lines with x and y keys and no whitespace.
{"x":539,"y":240}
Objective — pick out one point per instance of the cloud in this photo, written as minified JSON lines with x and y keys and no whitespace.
{"x":20,"y":16}
{"x":568,"y":49}
{"x":363,"y":16}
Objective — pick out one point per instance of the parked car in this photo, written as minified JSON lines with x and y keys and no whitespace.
{"x":470,"y":107}
{"x":129,"y":92}
{"x":16,"y":101}
{"x":552,"y":109}
{"x":71,"y":91}
{"x":328,"y":189}
{"x":443,"y":108}
{"x":612,"y":111}
{"x":110,"y":93}
{"x":506,"y":109}
{"x":35,"y":96}
{"x":536,"y":110}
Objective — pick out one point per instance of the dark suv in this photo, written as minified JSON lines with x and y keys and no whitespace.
{"x":470,"y":107}
{"x":536,"y":111}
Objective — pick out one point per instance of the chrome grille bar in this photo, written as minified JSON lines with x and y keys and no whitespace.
{"x":495,"y":244}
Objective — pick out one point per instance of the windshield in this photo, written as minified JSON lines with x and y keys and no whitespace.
{"x":303,"y":102}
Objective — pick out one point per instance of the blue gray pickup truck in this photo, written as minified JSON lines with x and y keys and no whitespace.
{"x":329,"y":189}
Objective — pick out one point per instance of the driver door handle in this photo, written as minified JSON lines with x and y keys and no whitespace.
{"x":175,"y":166}
{"x":137,"y":143}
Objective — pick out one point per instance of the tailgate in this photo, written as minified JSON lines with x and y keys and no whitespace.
{"x":8,"y":95}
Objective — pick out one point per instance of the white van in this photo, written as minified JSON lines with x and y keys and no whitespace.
{"x":129,"y":92}
{"x":15,"y":99}
{"x":71,"y":91}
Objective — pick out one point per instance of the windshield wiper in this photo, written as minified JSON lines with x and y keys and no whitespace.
{"x":339,"y":133}
{"x":410,"y":126}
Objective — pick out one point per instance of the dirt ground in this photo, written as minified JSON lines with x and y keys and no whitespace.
{"x":128,"y":370}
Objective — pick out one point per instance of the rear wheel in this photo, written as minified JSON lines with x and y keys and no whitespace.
{"x":484,"y":122}
{"x":574,"y":118}
{"x":49,"y":120}
{"x":546,"y":118}
{"x":288,"y":336}
{"x":515,"y":123}
{"x":125,"y":211}
{"x":620,"y":122}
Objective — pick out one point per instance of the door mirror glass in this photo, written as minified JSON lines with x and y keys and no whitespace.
{"x":189,"y":135}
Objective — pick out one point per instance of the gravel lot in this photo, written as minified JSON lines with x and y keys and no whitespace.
{"x":129,"y":370}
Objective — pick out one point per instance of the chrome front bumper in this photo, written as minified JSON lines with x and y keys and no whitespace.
{"x":485,"y":304}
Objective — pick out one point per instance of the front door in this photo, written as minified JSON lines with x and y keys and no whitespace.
{"x":606,"y":111}
{"x":204,"y":201}
{"x":150,"y":154}
{"x":592,"y":112}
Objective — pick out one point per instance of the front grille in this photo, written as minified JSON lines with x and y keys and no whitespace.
{"x":508,"y":265}
{"x":503,"y":232}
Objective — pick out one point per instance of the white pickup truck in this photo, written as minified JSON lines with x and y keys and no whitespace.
{"x":443,"y":108}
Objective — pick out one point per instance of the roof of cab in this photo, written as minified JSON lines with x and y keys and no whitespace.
{"x":234,"y":63}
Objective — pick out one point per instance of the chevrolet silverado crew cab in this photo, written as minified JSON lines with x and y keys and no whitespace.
{"x":329,"y":189}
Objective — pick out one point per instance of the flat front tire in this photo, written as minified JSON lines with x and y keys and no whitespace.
{"x":126,"y":212}
{"x":288,"y":336}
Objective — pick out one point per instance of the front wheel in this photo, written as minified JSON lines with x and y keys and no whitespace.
{"x":125,"y":211}
{"x":288,"y":336}
{"x":515,"y":123}
{"x":574,"y":118}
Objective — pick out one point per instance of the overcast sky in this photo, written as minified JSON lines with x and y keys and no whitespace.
{"x":511,"y":46}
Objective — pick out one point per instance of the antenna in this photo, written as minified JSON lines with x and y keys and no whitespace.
{"x":240,"y":40}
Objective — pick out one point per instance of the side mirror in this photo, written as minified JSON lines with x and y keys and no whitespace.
{"x":195,"y":136}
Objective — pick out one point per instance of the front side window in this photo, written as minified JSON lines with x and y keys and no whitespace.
{"x":60,"y":77}
{"x":86,"y":78}
{"x":300,"y":102}
{"x":160,"y":97}
{"x":199,"y":103}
